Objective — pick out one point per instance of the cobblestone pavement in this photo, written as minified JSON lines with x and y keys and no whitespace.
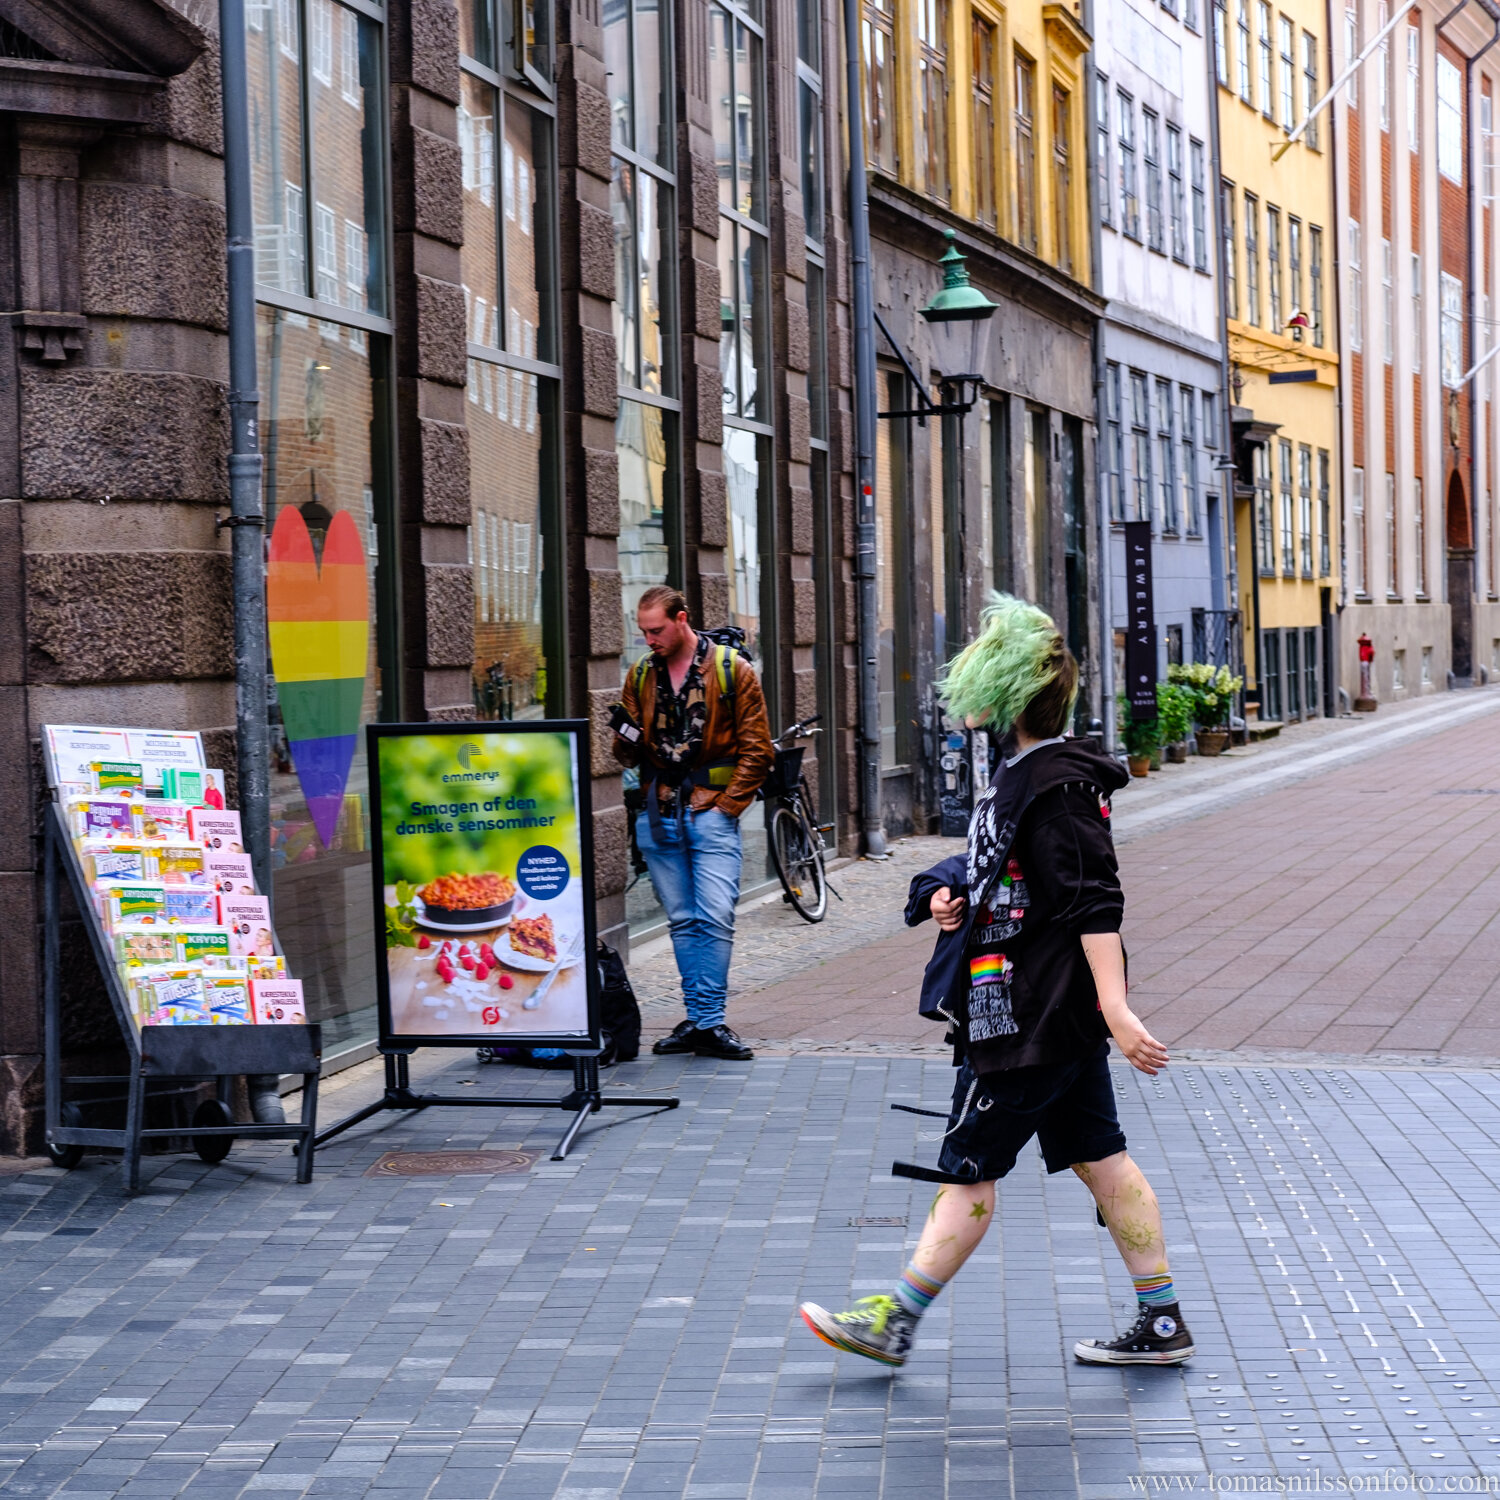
{"x":623,"y":1324}
{"x":1335,"y":891}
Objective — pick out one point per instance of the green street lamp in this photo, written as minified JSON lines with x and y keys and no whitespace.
{"x":960,"y":318}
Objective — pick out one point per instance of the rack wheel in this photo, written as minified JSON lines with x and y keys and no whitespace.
{"x":67,"y":1157}
{"x":212,"y":1148}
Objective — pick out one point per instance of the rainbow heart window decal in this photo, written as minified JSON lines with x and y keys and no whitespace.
{"x":319,"y":621}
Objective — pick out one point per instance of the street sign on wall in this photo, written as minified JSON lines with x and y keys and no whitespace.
{"x":1140,"y":622}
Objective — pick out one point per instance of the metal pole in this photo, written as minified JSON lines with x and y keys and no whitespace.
{"x":1103,"y":540}
{"x":246,"y":521}
{"x":864,"y":447}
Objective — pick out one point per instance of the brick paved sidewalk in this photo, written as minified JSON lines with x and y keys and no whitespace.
{"x":623,"y":1324}
{"x":1334,"y":892}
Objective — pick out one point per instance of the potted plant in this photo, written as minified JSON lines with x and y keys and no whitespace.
{"x":1174,"y":713}
{"x":1139,"y":736}
{"x":1212,"y":691}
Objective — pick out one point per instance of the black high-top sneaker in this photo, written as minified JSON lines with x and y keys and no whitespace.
{"x":1158,"y":1337}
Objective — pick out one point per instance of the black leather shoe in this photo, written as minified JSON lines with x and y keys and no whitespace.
{"x":682,"y":1038}
{"x":720,"y":1041}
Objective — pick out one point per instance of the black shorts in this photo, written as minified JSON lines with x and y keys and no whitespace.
{"x":1069,"y":1107}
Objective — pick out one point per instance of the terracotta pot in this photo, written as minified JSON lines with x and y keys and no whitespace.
{"x":1212,"y":741}
{"x":1140,"y":765}
{"x":1175,"y":754}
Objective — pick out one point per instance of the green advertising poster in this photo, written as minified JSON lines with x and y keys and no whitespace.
{"x":484,"y":883}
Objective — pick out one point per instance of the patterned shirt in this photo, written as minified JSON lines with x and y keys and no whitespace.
{"x":680,"y":714}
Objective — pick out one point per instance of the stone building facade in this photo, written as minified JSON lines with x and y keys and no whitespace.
{"x":534,"y":386}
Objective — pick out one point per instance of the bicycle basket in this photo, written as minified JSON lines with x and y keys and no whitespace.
{"x":786,"y":773}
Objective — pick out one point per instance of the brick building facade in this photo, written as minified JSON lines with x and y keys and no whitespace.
{"x":534,"y":385}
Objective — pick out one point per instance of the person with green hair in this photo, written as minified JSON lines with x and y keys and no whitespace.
{"x":1028,"y":974}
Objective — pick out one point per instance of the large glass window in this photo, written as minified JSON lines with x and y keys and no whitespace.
{"x":1140,"y":443}
{"x":507,"y":135}
{"x":1106,"y":188}
{"x":1130,"y":202}
{"x":1062,"y":179}
{"x":1273,"y":266}
{"x":1025,"y":150}
{"x":1177,"y":193}
{"x":1451,"y":329}
{"x":1252,"y":260}
{"x":1231,"y":249}
{"x":1151,"y":148}
{"x":638,"y":53}
{"x":1167,"y":458}
{"x":1305,"y":510}
{"x":1315,"y":283}
{"x":1358,"y":571}
{"x":1263,"y":40}
{"x":323,"y":238}
{"x":1288,"y":555}
{"x":737,"y":88}
{"x":1242,"y":27}
{"x":880,"y":82}
{"x":932,"y":81}
{"x":317,"y":147}
{"x":1189,"y":437}
{"x":986,"y":44}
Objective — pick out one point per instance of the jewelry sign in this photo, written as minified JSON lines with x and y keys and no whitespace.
{"x":484,"y":889}
{"x":1140,"y":618}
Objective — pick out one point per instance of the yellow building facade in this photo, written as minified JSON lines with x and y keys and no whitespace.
{"x":980,"y":107}
{"x":1277,"y":222}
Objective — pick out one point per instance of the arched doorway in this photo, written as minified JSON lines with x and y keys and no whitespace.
{"x":1459,"y":532}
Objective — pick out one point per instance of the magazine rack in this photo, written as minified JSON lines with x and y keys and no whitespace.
{"x":174,"y":1058}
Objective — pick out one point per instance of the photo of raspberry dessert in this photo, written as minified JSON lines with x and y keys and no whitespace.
{"x":534,"y":937}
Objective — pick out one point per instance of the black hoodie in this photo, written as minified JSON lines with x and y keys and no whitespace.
{"x":1034,"y":999}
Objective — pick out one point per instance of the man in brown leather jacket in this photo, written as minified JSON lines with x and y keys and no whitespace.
{"x":696,"y":728}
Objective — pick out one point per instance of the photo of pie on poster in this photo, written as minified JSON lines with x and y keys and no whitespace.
{"x":483,"y":895}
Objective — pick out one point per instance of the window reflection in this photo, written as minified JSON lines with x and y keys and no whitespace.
{"x":642,"y":443}
{"x":508,"y":489}
{"x":324,"y":239}
{"x":320,"y":399}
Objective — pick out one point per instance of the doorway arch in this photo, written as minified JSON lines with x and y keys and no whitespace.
{"x":1460,"y":539}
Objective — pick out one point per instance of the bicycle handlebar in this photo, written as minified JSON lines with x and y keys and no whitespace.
{"x":800,"y":730}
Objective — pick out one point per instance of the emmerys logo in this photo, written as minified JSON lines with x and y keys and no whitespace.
{"x":468,"y":753}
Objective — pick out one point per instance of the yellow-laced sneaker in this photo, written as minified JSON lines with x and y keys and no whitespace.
{"x":877,"y":1327}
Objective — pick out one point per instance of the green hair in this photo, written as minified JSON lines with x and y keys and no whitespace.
{"x":1018,"y":652}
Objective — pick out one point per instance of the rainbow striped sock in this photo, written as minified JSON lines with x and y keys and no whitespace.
{"x":916,"y":1289}
{"x":1155,"y":1291}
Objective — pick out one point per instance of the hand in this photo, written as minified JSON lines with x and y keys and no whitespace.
{"x":1140,"y":1048}
{"x":947,"y":909}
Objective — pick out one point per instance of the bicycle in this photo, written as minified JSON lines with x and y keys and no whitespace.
{"x":797,"y":847}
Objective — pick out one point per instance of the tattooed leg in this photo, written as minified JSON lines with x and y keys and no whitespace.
{"x":1130,"y":1210}
{"x":956,"y":1223}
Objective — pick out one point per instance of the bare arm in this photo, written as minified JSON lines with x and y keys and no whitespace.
{"x":1106,"y":958}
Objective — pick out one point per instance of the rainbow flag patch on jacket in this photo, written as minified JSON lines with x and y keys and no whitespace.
{"x":988,"y":968}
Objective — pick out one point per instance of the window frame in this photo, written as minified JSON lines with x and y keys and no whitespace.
{"x":1198,"y":166}
{"x":1252,"y":260}
{"x":1176,"y":194}
{"x":1130,"y":200}
{"x":1151,"y":157}
{"x":1025,"y":75}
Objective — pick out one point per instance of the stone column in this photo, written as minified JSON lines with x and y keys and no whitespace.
{"x":432,"y":444}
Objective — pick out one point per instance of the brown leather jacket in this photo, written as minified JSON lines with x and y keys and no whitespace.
{"x":737,"y":732}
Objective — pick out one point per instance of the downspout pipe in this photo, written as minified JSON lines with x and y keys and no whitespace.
{"x":1475,"y":408}
{"x":863,"y":316}
{"x":1226,"y":392}
{"x":246,"y":522}
{"x":1101,"y":403}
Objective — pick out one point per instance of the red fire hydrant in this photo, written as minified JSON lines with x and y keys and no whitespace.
{"x":1365,"y":703}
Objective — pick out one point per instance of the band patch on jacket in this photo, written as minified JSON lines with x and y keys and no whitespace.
{"x":990,"y":1013}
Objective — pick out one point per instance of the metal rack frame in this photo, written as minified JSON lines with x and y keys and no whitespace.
{"x":181,"y":1053}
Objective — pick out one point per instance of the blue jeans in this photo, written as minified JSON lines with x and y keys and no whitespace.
{"x":695,"y":869}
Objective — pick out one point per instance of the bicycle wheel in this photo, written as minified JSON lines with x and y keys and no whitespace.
{"x":799,"y":863}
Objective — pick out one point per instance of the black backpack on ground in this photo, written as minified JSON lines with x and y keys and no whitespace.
{"x":620,"y":1011}
{"x":620,"y":1023}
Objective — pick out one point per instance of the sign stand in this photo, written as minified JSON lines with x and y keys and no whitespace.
{"x":586,"y":1098}
{"x":476,"y":827}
